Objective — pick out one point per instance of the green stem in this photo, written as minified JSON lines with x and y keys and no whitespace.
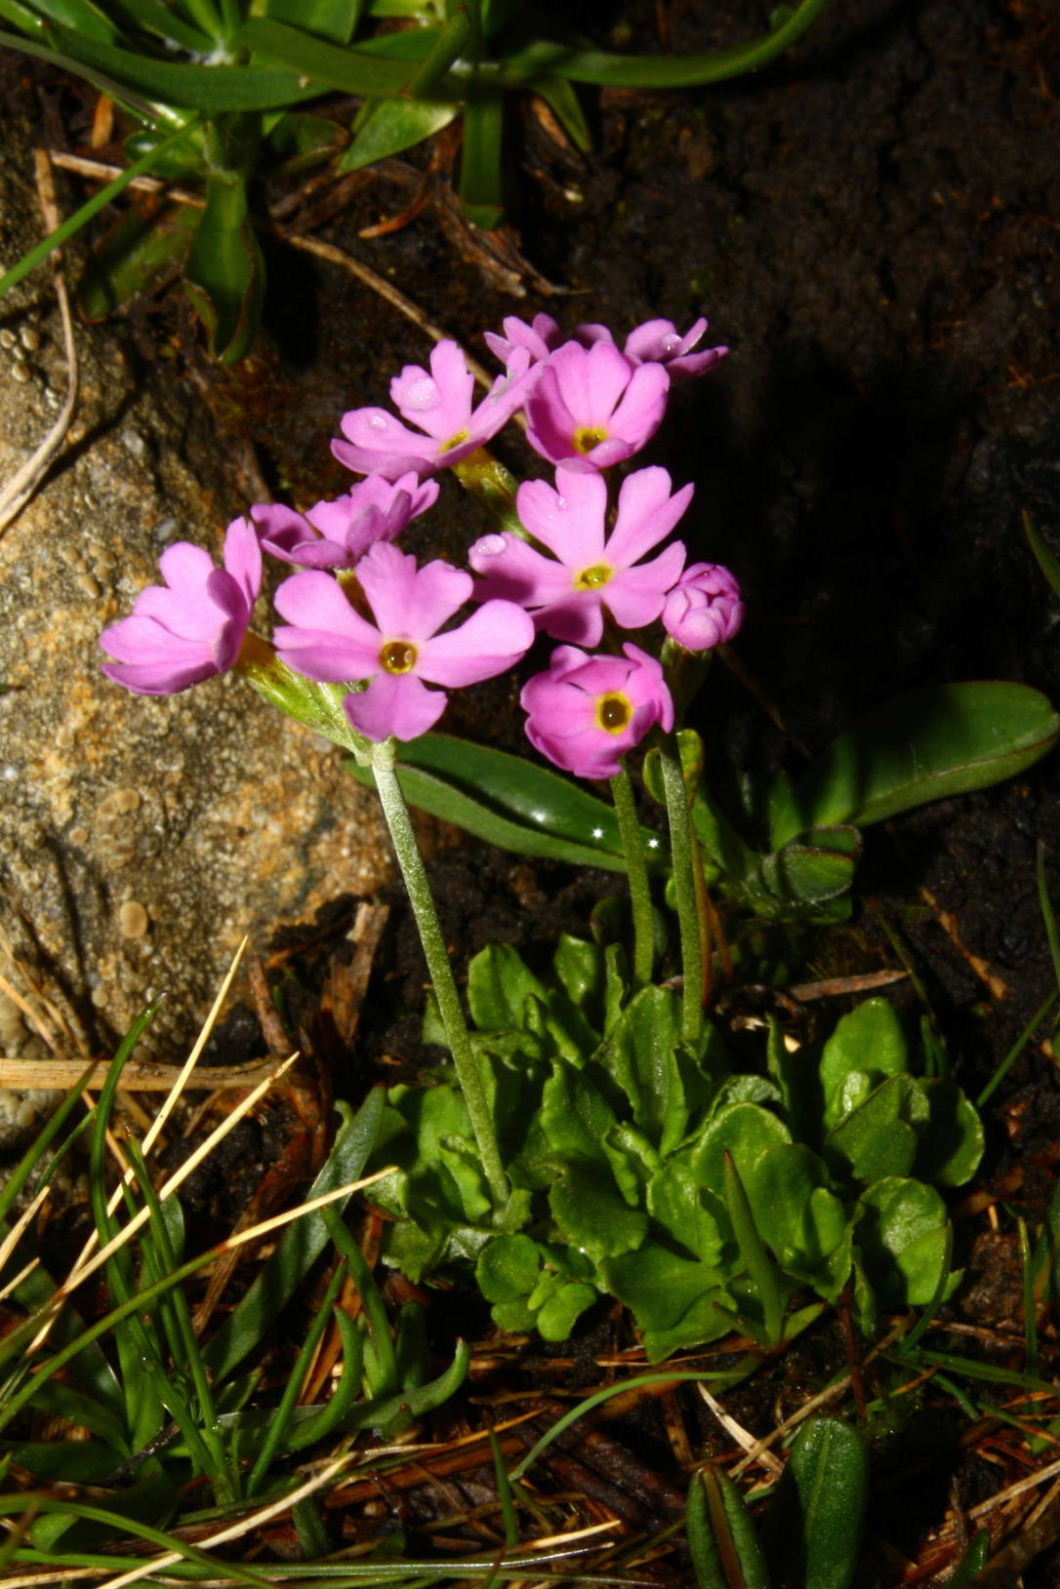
{"x":637,"y":873}
{"x":683,"y":854}
{"x":489,"y":481}
{"x":441,"y":972}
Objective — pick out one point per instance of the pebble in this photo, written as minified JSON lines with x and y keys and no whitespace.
{"x":30,"y":338}
{"x":119,"y":802}
{"x":21,"y":374}
{"x":133,"y":919}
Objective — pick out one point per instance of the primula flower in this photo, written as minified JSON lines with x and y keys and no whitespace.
{"x":704,"y":608}
{"x":589,"y":570}
{"x":586,"y":712}
{"x":402,"y":651}
{"x":660,"y":341}
{"x":441,"y":403}
{"x":594,"y":404}
{"x":656,"y":341}
{"x":337,"y":534}
{"x":193,"y":626}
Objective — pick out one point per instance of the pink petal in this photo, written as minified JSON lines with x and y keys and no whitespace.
{"x":494,"y":638}
{"x":646,"y":513}
{"x":242,"y":558}
{"x":513,"y":571}
{"x":578,"y":617}
{"x":591,"y":381}
{"x":569,"y":519}
{"x":635,"y":596}
{"x":395,"y":704}
{"x":639,"y":414}
{"x":410,"y":603}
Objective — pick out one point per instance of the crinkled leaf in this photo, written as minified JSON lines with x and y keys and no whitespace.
{"x":633,"y":1161}
{"x":508,"y":1268}
{"x":559,"y":1312}
{"x":675,"y":1202}
{"x":799,"y":1217}
{"x":579,"y":967}
{"x":879,"y":1138}
{"x":574,"y":1117}
{"x":592,"y":1216}
{"x":299,"y":138}
{"x":641,"y":1053}
{"x":499,"y":982}
{"x":392,"y":125}
{"x":901,"y":1236}
{"x":675,"y":1301}
{"x":743,"y":1129}
{"x":133,"y":254}
{"x":925,"y":746}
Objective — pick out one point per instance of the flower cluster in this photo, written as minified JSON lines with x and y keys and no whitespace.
{"x":363,"y":613}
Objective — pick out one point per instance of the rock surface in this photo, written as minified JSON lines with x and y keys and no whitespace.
{"x":140,"y":838}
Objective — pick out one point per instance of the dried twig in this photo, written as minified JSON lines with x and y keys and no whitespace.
{"x":22,"y":485}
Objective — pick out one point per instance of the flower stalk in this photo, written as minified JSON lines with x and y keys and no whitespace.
{"x":682,"y":847}
{"x":418,"y":887}
{"x":637,"y":874}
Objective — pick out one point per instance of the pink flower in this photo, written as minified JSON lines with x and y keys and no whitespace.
{"x":441,"y":403}
{"x":594,"y":404}
{"x":704,"y":608}
{"x":586,"y":712}
{"x":660,"y":341}
{"x":193,"y":626}
{"x":656,"y":341}
{"x":589,"y":569}
{"x":330,"y":641}
{"x":336,"y":534}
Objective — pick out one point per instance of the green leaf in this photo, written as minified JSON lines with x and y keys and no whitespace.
{"x":574,"y":1117}
{"x":878,"y":1137}
{"x":79,"y":14}
{"x":743,"y":1129}
{"x":392,"y":125}
{"x":210,"y":89}
{"x":953,"y":1140}
{"x":334,"y":20}
{"x":513,"y":803}
{"x":560,"y":1312}
{"x":592,"y":1216}
{"x":299,"y":139}
{"x":481,"y":182}
{"x":902,"y":1239}
{"x":352,"y":71}
{"x":925,"y":746}
{"x":1046,"y":559}
{"x":225,"y":273}
{"x":665,"y":1085}
{"x":761,"y":1270}
{"x":675,"y":1201}
{"x":798,"y":1215}
{"x":499,"y":982}
{"x":508,"y":1268}
{"x":811,"y":868}
{"x":818,"y":1512}
{"x":132,"y":255}
{"x":722,"y":1539}
{"x":675,"y":1301}
{"x":655,"y":71}
{"x":868,"y":1040}
{"x":579,"y":967}
{"x":564,"y":104}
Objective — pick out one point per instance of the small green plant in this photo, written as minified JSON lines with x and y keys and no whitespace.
{"x":213,"y":90}
{"x":645,"y":1167}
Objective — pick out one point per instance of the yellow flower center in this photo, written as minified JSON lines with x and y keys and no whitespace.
{"x":398,"y":656}
{"x":455,"y":441}
{"x":586,"y":439}
{"x":613,"y":712}
{"x":593,"y":578}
